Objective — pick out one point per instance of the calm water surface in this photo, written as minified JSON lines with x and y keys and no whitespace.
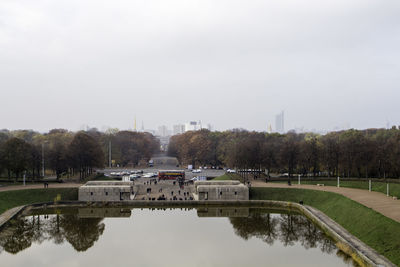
{"x":172,"y":237}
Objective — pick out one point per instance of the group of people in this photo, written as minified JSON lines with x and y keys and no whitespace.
{"x":180,"y":194}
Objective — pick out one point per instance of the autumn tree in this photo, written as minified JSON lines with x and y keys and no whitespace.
{"x":57,"y":155}
{"x":289,"y":153}
{"x":16,"y":156}
{"x":85,"y":154}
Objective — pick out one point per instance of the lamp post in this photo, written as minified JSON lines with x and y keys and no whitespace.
{"x":109,"y":154}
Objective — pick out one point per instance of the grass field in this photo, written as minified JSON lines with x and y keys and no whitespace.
{"x":229,"y":176}
{"x":374,"y":229}
{"x":394,"y":188}
{"x":11,"y":199}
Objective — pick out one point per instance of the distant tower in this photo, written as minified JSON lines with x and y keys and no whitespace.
{"x":280,"y":122}
{"x":142,"y":126}
{"x":269,"y":128}
{"x":134,"y":128}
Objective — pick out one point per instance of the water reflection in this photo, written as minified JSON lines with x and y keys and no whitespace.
{"x":81,"y":233}
{"x":287,"y":228}
{"x":82,"y":228}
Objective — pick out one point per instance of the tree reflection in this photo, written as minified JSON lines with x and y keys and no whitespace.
{"x":260,"y":225}
{"x":18,"y":236}
{"x":288,"y":228}
{"x":81,"y":233}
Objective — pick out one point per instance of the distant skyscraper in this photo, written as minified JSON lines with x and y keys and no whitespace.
{"x":280,"y":122}
{"x":178,"y":129}
{"x":192,"y":126}
{"x":163,"y":131}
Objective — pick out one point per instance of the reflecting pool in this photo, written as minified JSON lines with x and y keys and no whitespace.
{"x":166,"y":237}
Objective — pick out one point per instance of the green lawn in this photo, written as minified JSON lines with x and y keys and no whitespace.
{"x":11,"y":199}
{"x":374,"y":229}
{"x":229,"y":176}
{"x":394,"y":188}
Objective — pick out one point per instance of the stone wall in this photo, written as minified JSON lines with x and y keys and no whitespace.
{"x":105,"y":191}
{"x":220,"y":190}
{"x":215,"y":182}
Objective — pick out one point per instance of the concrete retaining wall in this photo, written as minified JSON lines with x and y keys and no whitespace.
{"x":222,"y":192}
{"x":104,"y":193}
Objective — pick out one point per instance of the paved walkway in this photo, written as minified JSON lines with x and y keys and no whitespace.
{"x":379,"y":202}
{"x":9,"y":214}
{"x":38,"y":186}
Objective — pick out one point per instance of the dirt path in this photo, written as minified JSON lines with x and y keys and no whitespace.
{"x":379,"y":202}
{"x":37,"y":186}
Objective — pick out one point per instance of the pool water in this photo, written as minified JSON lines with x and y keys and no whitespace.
{"x":166,"y":237}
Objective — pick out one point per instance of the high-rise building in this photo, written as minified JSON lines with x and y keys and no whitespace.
{"x":178,"y":129}
{"x":280,"y":123}
{"x":163,"y":131}
{"x":192,"y":126}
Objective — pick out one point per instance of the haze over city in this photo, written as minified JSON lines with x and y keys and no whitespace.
{"x":233,"y":64}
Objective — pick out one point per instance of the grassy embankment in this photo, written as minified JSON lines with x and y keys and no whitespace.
{"x":394,"y":188}
{"x":11,"y":199}
{"x":374,"y":229}
{"x":229,"y":176}
{"x":14,"y":198}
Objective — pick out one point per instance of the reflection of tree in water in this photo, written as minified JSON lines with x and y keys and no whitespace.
{"x":22,"y":232}
{"x":288,"y":228}
{"x":260,"y":225}
{"x":81,"y":233}
{"x":18,"y":236}
{"x":56,"y":231}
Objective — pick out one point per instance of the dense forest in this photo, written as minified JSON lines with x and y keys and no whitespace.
{"x":350,"y":153}
{"x":70,"y":153}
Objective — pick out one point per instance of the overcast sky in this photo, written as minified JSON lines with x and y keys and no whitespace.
{"x":64,"y":64}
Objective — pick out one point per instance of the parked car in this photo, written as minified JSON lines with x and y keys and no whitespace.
{"x":196,"y":171}
{"x":231,"y":171}
{"x":199,"y":178}
{"x":133,"y":177}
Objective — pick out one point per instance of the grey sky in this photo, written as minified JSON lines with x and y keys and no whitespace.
{"x":229,"y":63}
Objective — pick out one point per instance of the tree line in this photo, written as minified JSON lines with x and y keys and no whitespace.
{"x":24,"y":152}
{"x":350,"y":153}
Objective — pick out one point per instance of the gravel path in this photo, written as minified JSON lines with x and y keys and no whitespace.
{"x":379,"y":202}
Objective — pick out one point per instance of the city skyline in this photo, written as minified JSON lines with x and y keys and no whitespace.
{"x":76,"y":63}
